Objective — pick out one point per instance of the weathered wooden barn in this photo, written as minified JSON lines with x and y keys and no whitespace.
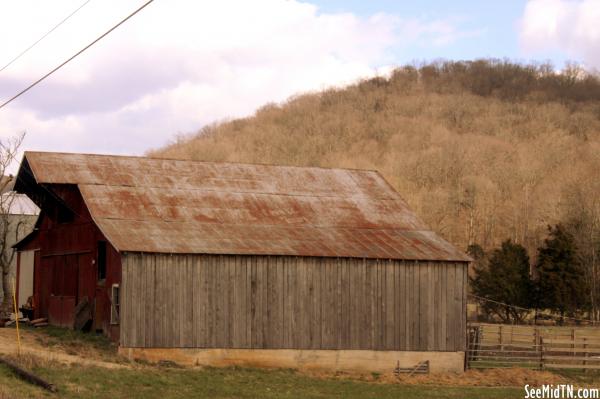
{"x":225,"y":263}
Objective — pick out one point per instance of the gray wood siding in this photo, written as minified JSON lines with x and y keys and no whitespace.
{"x":275,"y":302}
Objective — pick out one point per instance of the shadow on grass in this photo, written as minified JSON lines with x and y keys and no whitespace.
{"x":76,"y":340}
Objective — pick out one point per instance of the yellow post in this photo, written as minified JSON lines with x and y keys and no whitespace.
{"x":16,"y":316}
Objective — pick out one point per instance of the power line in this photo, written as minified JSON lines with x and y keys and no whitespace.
{"x":75,"y":55}
{"x":44,"y":36}
{"x":480,"y":298}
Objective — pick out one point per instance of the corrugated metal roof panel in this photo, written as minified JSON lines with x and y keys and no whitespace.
{"x":187,"y":237}
{"x":172,"y":206}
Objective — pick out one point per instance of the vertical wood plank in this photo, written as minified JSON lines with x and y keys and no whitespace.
{"x":253,"y":302}
{"x":270,"y":313}
{"x":147,"y":270}
{"x":316,"y":303}
{"x":221,"y":300}
{"x":230,"y":300}
{"x":362,"y":306}
{"x":249,"y":305}
{"x":236,"y":314}
{"x":352,"y":305}
{"x":135,"y":312}
{"x":125,"y":312}
{"x":211,"y":304}
{"x":171,"y":287}
{"x":160,"y":308}
{"x":280,"y":294}
{"x":346,"y":304}
{"x":450,"y":317}
{"x":396,"y":304}
{"x":203,"y":298}
{"x":464,"y":285}
{"x":302,"y":333}
{"x":369,"y":307}
{"x":178,"y":307}
{"x":288,"y":309}
{"x":414,"y":306}
{"x":390,"y":316}
{"x":264,"y":301}
{"x":436,"y":306}
{"x":444,"y":306}
{"x":422,"y":300}
{"x":196,"y":309}
{"x":461,"y":285}
{"x":325,"y":305}
{"x":431,"y":306}
{"x":339,"y":298}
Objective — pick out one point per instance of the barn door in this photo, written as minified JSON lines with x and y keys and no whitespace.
{"x":44,"y":284}
{"x":63,"y":294}
{"x":87,"y":277}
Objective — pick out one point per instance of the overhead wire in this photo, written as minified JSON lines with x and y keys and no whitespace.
{"x":75,"y":55}
{"x":480,"y":298}
{"x":22,"y":53}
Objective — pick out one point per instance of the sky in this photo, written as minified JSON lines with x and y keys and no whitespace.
{"x":181,"y":64}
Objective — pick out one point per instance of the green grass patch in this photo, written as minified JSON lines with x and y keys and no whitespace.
{"x":154,"y":382}
{"x":591,"y":377}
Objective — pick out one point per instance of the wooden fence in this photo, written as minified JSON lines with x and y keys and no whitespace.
{"x":538,"y":347}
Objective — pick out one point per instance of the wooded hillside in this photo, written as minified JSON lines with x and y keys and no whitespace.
{"x":483,"y":151}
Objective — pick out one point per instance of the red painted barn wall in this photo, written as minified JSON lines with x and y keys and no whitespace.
{"x":66,"y":263}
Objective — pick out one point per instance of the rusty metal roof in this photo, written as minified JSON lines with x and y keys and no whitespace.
{"x":173,"y":206}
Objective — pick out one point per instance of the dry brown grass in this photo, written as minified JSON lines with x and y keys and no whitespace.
{"x":482,"y":151}
{"x":40,"y":349}
{"x":511,"y":377}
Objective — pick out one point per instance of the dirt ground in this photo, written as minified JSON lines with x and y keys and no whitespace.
{"x":32,"y":344}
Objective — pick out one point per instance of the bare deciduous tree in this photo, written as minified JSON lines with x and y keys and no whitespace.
{"x":10,"y":228}
{"x":582,"y":215}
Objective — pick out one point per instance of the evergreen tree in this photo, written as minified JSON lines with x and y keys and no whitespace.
{"x":506,"y":280}
{"x":476,"y":252}
{"x":561,"y":283}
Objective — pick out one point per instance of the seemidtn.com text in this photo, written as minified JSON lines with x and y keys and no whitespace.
{"x":561,"y":391}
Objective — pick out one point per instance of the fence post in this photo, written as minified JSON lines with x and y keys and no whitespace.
{"x":476,"y":340}
{"x":500,"y":338}
{"x":536,"y":338}
{"x":573,"y":341}
{"x":585,"y":354}
{"x":541,"y":349}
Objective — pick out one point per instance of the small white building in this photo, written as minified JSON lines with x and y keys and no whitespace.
{"x":21,"y":214}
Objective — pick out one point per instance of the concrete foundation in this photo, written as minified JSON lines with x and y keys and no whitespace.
{"x":337,"y":360}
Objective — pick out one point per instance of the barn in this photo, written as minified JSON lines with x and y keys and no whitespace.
{"x":226,"y":263}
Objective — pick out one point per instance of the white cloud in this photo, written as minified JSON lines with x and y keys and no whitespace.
{"x":181,"y":64}
{"x":572,"y":27}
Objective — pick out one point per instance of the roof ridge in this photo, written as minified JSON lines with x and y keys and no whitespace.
{"x":201,"y":161}
{"x":281,"y":194}
{"x":289,"y":226}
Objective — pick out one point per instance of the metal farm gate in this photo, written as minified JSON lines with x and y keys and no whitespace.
{"x":536,"y":347}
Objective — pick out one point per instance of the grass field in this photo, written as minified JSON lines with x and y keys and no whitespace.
{"x":87,"y":366}
{"x":156,"y":382}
